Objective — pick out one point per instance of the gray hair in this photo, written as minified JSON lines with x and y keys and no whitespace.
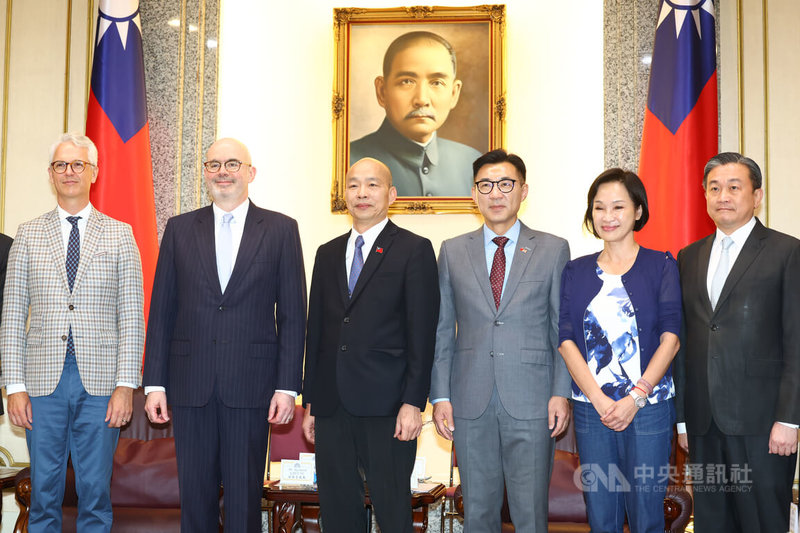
{"x":734,"y":158}
{"x":81,"y":141}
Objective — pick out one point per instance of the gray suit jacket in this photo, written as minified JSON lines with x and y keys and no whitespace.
{"x":514,"y":347}
{"x":105,"y":308}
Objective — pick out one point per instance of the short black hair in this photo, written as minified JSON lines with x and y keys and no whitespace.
{"x":407,"y":40}
{"x":499,"y":156}
{"x":635,"y":189}
{"x":733,"y":158}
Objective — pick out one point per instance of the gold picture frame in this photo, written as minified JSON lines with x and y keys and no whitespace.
{"x":362,"y":36}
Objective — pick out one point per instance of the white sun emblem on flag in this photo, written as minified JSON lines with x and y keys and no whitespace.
{"x":122,"y":27}
{"x":681,"y":9}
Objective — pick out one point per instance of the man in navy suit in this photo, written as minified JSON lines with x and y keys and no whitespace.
{"x":5,"y":246}
{"x":372,"y":319}
{"x":225,"y":341}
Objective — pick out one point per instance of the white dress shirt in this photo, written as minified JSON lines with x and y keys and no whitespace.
{"x":369,"y":236}
{"x":739,"y":237}
{"x":237,"y":226}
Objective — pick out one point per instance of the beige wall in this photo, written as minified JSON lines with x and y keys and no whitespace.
{"x":35,"y":111}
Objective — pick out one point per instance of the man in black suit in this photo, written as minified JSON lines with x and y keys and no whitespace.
{"x":225,"y":341}
{"x":738,"y":370}
{"x":372,"y":318}
{"x":5,"y":246}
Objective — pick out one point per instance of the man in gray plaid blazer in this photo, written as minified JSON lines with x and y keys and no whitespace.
{"x":75,"y":274}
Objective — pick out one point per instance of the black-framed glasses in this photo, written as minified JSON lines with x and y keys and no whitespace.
{"x":505,"y":185}
{"x":78,"y":166}
{"x":231,"y":165}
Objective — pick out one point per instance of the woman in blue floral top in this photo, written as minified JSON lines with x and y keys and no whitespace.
{"x":618,"y":333}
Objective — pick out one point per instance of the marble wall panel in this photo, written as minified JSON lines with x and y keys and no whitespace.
{"x":180,"y":55}
{"x":629,"y":30}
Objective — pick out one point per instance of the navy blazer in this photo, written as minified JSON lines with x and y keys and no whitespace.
{"x":653,"y":286}
{"x":374,"y":351}
{"x":246,"y":342}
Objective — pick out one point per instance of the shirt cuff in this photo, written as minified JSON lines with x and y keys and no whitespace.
{"x":126,"y":384}
{"x":681,"y":427}
{"x":154,"y":388}
{"x":14,"y":388}
{"x":291,"y":393}
{"x":437,"y":400}
{"x":787,"y":424}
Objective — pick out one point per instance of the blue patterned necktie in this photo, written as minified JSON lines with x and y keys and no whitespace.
{"x":357,"y":265}
{"x":73,"y":251}
{"x":73,"y":258}
{"x":225,"y":251}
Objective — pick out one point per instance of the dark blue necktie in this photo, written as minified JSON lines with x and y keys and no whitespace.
{"x":357,"y":265}
{"x":73,"y":258}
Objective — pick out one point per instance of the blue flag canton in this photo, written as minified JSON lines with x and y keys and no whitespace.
{"x":118,"y":77}
{"x":681,"y":67}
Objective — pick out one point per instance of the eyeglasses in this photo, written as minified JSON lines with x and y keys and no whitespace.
{"x":78,"y":166}
{"x":505,"y":185}
{"x":231,"y":165}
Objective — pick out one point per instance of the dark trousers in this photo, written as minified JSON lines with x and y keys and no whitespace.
{"x":738,"y":485}
{"x":348,"y":446}
{"x":216,"y":444}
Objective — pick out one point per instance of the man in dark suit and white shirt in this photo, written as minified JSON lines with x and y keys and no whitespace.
{"x":499,"y":385}
{"x":738,"y":369}
{"x":5,"y":246}
{"x":225,"y":341}
{"x":371,"y":326}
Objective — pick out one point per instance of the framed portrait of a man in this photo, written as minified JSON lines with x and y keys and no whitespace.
{"x":422,"y":90}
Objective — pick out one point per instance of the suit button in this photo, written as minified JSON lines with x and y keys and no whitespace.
{"x":71,"y":307}
{"x":344,"y":347}
{"x":221,"y":308}
{"x":491,"y":354}
{"x":714,"y":327}
{"x":347,"y":320}
{"x":498,"y":323}
{"x":63,"y":337}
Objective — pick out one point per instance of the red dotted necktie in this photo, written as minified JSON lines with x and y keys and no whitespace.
{"x":498,"y":272}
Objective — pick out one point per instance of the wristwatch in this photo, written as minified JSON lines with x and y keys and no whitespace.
{"x":638,"y":399}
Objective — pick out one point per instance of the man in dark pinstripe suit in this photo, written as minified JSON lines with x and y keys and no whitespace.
{"x":225,"y":341}
{"x":5,"y":246}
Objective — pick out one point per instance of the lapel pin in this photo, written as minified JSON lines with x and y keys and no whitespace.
{"x":524,"y":250}
{"x":379,"y":250}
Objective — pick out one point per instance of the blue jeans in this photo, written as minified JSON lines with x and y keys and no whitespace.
{"x":71,"y":421}
{"x":625,"y":471}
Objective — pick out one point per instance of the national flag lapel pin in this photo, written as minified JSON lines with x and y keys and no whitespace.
{"x":524,"y":250}
{"x":378,"y":250}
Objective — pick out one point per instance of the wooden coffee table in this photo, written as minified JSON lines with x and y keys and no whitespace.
{"x":294,"y":506}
